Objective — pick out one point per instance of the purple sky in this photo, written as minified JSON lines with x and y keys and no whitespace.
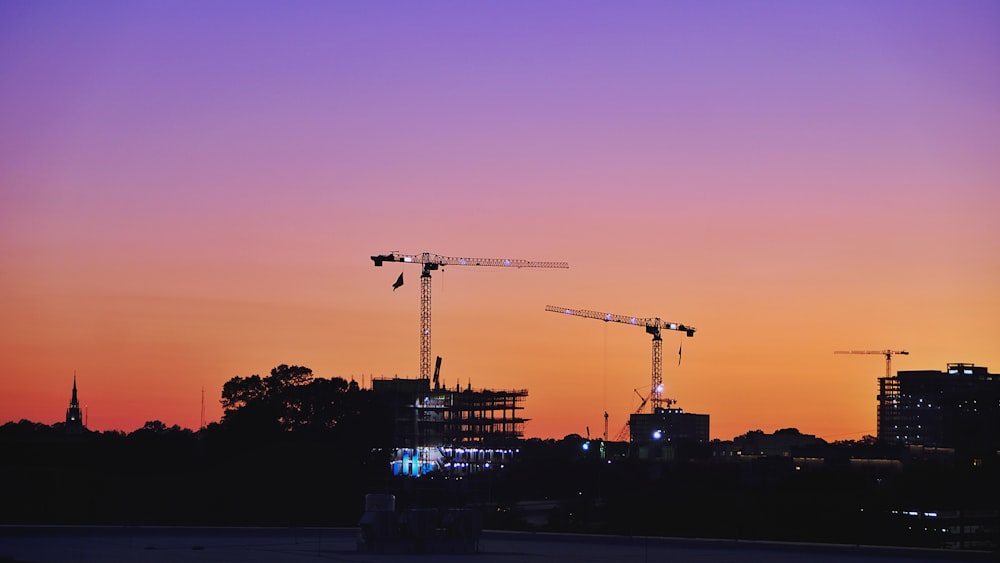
{"x":172,"y":173}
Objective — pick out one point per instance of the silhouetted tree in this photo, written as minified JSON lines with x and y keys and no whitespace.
{"x":321,"y":404}
{"x":285,"y":376}
{"x":154,"y":427}
{"x":238,"y":392}
{"x":289,"y":399}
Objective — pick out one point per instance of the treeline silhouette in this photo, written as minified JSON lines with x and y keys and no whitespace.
{"x":297,"y":450}
{"x":291,"y":449}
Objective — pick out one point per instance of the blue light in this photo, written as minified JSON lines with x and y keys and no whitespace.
{"x":506,"y":262}
{"x":657,"y":434}
{"x":586,"y":446}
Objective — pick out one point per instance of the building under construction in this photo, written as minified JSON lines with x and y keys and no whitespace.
{"x":453,"y":431}
{"x":957,"y":408}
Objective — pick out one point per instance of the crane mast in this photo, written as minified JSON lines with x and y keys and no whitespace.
{"x":653,"y":326}
{"x":431,"y":262}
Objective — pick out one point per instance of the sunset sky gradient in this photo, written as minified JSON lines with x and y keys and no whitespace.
{"x":191,"y":191}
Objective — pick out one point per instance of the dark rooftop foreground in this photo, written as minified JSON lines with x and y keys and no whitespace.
{"x":82,"y":544}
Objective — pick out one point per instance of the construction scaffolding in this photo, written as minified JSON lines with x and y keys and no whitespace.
{"x":889,"y":413}
{"x":454,"y":430}
{"x":485,"y":417}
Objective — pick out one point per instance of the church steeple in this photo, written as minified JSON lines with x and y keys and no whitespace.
{"x":74,"y":418}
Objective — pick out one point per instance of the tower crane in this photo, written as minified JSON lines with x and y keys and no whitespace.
{"x":433,"y":262}
{"x":653,"y":325}
{"x":623,"y":433}
{"x":642,"y":401}
{"x":887,"y":353}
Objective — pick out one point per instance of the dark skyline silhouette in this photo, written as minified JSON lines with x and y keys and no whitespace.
{"x":297,"y":450}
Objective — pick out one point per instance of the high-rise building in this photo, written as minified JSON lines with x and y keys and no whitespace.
{"x":74,"y":417}
{"x":957,"y":408}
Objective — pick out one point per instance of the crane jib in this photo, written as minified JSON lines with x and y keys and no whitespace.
{"x":432,"y":262}
{"x":439,"y":261}
{"x":650,"y":323}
